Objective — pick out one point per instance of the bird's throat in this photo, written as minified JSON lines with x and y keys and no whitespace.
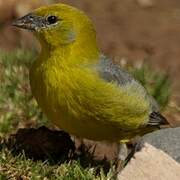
{"x":78,"y":52}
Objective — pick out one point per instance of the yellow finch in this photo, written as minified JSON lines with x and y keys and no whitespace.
{"x":80,"y":90}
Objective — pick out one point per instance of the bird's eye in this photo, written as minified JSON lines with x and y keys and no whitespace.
{"x":52,"y":19}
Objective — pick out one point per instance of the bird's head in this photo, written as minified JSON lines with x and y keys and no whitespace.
{"x":59,"y":25}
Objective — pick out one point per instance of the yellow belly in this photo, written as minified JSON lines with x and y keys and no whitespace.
{"x":80,"y":107}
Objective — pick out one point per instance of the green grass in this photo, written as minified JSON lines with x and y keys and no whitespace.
{"x":19,"y":167}
{"x":18,"y":109}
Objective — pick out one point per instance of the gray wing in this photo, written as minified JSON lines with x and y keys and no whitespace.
{"x":114,"y":73}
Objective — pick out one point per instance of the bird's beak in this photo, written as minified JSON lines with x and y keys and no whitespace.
{"x":30,"y":22}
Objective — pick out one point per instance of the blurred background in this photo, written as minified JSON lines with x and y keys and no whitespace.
{"x":130,"y":31}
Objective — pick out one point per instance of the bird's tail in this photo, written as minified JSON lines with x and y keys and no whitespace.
{"x":156,"y":119}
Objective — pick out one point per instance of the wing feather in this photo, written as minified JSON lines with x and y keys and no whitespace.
{"x":112,"y":72}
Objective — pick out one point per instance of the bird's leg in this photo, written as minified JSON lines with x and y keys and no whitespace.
{"x":137,"y":146}
{"x":122,"y":151}
{"x":122,"y":155}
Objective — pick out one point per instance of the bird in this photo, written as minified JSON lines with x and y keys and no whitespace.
{"x":79,"y":89}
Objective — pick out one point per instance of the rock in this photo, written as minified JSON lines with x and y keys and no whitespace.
{"x":167,"y":140}
{"x":151,"y":164}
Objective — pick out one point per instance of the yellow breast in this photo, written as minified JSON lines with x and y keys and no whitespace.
{"x":78,"y":101}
